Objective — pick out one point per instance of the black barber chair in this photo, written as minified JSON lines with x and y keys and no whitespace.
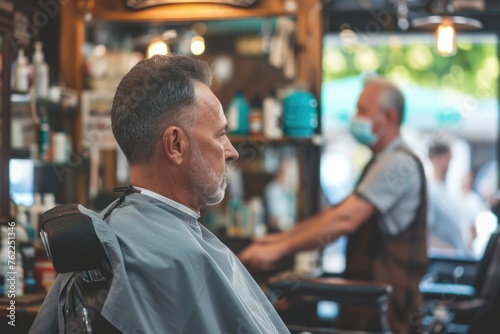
{"x":363,"y":304}
{"x":450,"y":308}
{"x":345,"y":292}
{"x":463,"y":308}
{"x":72,"y":245}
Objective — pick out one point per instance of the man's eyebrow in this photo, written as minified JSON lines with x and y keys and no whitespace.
{"x":222,"y":129}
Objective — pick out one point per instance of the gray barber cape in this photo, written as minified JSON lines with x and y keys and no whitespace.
{"x":171,"y":275}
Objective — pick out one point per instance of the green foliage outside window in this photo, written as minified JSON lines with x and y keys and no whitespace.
{"x":473,"y":70}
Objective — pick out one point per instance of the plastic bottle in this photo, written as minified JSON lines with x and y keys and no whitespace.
{"x":238,"y":115}
{"x":19,"y":274}
{"x":44,"y":271}
{"x":13,"y":75}
{"x":60,"y":149}
{"x":25,"y":252}
{"x":300,"y":114}
{"x":21,"y":75}
{"x":49,"y":201}
{"x":22,"y":233}
{"x":35,"y":211}
{"x":44,"y":137}
{"x":41,"y":82}
{"x":3,"y":259}
{"x":255,"y":118}
{"x":233,"y":227}
{"x":272,"y":113}
{"x":22,"y":218}
{"x":257,"y":222}
{"x":68,"y":146}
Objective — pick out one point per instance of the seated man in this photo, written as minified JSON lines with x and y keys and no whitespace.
{"x":171,"y":275}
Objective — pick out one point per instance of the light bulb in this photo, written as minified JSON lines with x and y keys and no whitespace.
{"x":157,"y":48}
{"x":446,"y":38}
{"x":197,"y":45}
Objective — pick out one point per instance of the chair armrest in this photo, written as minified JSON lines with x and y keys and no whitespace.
{"x":295,"y":329}
{"x":467,"y":305}
{"x":340,"y":290}
{"x":446,"y":292}
{"x":457,"y":259}
{"x":446,"y":268}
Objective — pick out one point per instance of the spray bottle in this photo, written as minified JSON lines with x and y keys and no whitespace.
{"x":41,"y":72}
{"x":21,"y":74}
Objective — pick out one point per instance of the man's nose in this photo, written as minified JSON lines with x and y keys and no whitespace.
{"x":231,"y":153}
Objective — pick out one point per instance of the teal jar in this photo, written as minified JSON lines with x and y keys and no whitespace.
{"x":238,"y":113}
{"x":300,"y":114}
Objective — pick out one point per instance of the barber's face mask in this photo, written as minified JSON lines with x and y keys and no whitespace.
{"x":362,"y":130}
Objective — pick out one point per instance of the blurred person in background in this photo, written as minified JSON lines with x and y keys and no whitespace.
{"x":444,"y":212}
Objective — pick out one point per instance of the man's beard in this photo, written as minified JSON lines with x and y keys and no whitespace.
{"x":209,"y":187}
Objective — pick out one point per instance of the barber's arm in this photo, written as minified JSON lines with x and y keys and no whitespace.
{"x":314,"y":232}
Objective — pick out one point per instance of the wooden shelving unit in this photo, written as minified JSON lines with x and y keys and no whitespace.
{"x":308,"y":37}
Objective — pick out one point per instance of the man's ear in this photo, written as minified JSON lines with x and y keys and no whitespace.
{"x":174,"y":142}
{"x":392,"y":115}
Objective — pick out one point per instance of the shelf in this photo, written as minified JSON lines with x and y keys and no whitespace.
{"x":261,"y":140}
{"x":17,"y":98}
{"x":25,"y":99}
{"x":20,"y":98}
{"x":24,"y":154}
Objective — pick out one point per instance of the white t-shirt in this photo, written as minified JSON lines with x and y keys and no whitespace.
{"x":392,"y":185}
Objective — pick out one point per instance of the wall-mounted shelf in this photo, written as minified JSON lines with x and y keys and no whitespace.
{"x":258,"y":80}
{"x":261,"y":140}
{"x":22,"y":99}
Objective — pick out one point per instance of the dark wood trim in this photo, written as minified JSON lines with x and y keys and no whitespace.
{"x":5,"y":149}
{"x":117,"y":10}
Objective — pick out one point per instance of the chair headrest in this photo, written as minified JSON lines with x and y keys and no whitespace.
{"x":70,"y":239}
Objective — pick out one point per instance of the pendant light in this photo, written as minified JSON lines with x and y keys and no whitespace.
{"x":446,"y":25}
{"x":157,"y":47}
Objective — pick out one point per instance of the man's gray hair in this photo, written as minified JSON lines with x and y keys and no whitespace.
{"x":392,"y":97}
{"x":154,"y":94}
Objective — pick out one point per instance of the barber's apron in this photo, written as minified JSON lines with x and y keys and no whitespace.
{"x":399,"y":260}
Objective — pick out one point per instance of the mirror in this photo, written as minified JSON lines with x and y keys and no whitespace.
{"x":253,"y":55}
{"x":239,"y":52}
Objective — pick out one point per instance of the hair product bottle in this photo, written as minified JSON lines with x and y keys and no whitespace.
{"x":41,"y":82}
{"x":21,"y":74}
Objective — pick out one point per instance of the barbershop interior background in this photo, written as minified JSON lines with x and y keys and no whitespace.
{"x":288,"y":74}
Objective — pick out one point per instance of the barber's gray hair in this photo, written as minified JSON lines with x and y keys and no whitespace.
{"x":154,"y":94}
{"x":391,"y":95}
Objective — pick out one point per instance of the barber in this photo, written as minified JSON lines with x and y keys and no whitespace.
{"x":384,"y":217}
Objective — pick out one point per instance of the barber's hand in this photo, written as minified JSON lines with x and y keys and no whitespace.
{"x":261,"y":255}
{"x":270,"y":238}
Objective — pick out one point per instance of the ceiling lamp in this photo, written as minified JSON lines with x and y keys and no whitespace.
{"x":446,"y":25}
{"x":197,"y":45}
{"x":158,"y":47}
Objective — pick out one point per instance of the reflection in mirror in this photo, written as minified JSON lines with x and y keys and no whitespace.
{"x":240,"y":51}
{"x":261,"y":195}
{"x":254,"y":56}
